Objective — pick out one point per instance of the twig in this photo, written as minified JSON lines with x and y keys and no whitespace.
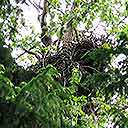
{"x":35,"y":5}
{"x":55,"y":7}
{"x":91,"y":68}
{"x":29,"y":52}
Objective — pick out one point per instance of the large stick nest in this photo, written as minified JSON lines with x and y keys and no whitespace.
{"x":68,"y":57}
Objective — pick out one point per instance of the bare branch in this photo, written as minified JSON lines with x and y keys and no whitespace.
{"x":29,"y":52}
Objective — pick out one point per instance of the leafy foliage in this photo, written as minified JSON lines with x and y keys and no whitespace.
{"x":75,"y":85}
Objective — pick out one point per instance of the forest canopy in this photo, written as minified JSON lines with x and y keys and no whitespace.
{"x":72,"y":73}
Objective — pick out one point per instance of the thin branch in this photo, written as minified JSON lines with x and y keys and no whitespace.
{"x":29,"y":52}
{"x":39,"y":6}
{"x":35,"y":5}
{"x":55,"y":7}
{"x":91,"y":68}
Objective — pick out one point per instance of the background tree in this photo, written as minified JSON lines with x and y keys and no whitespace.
{"x":73,"y":85}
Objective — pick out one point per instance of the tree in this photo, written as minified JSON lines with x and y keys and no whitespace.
{"x":75,"y":85}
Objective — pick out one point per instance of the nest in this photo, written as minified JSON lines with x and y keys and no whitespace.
{"x":68,"y":57}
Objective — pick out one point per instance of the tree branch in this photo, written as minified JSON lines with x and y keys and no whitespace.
{"x":29,"y":52}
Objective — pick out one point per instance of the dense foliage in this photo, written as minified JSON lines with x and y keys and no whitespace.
{"x":76,"y":81}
